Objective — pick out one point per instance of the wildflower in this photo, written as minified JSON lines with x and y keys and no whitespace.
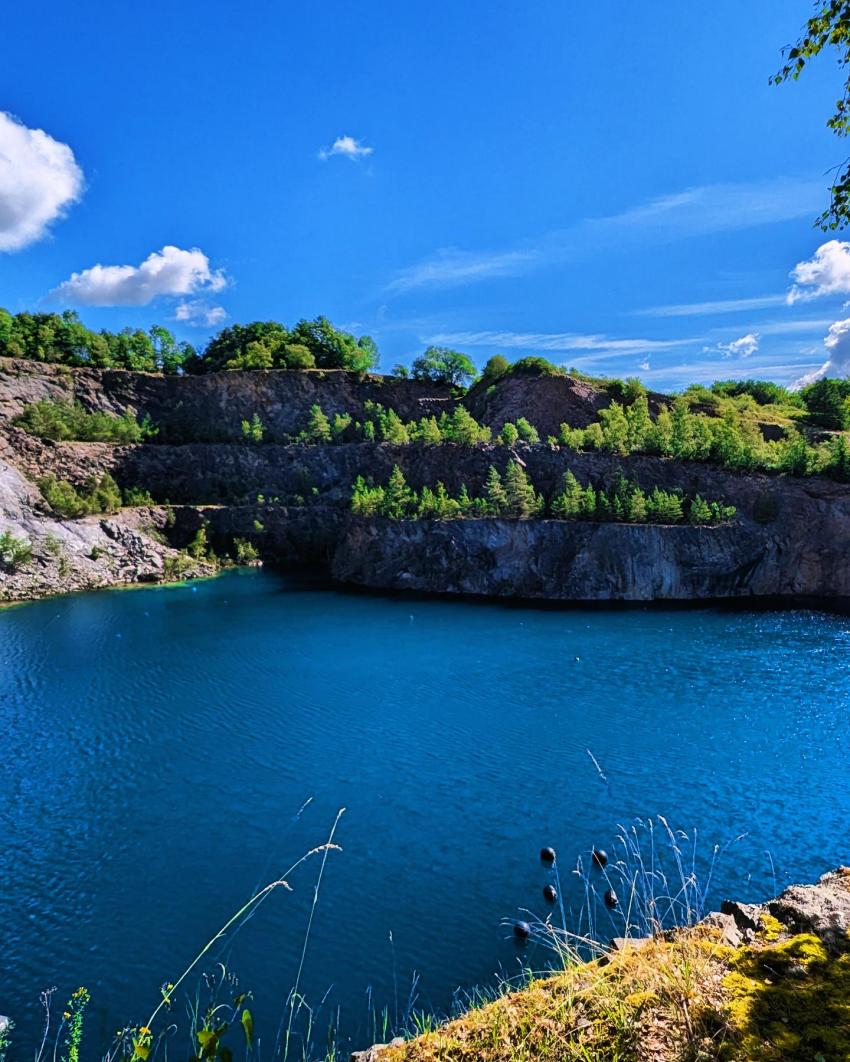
{"x":144,"y":1030}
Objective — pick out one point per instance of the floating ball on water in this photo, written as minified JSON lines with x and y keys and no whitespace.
{"x":547,"y":855}
{"x":522,"y":930}
{"x":610,"y":899}
{"x":550,"y":893}
{"x":600,"y":858}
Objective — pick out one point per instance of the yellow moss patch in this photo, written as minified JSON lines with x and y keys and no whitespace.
{"x":789,"y":1002}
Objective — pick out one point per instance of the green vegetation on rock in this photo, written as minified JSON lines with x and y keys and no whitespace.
{"x":62,"y":421}
{"x":513,"y":496}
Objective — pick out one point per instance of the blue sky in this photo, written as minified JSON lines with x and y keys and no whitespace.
{"x":615,"y":186}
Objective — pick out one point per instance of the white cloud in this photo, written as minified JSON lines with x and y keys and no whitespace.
{"x":199,"y":314}
{"x":39,"y":180}
{"x":740,"y":348}
{"x":826,"y":273}
{"x":558,"y":341}
{"x":644,"y":366}
{"x":347,"y":146}
{"x":698,"y":309}
{"x":170,"y":271}
{"x":837,"y":343}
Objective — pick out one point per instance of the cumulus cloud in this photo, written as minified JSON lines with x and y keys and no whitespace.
{"x":837,"y":343}
{"x":347,"y":146}
{"x":826,"y":273}
{"x":39,"y":180}
{"x":171,"y":271}
{"x":199,"y":314}
{"x":740,"y":348}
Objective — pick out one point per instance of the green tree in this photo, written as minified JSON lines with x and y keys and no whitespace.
{"x":615,"y":429}
{"x":638,"y":423}
{"x":567,"y":503}
{"x":829,"y":27}
{"x":428,"y":431}
{"x":398,"y":497}
{"x":445,"y":366}
{"x":527,"y":432}
{"x":495,"y":367}
{"x":826,"y":402}
{"x":497,"y":499}
{"x":699,"y":511}
{"x":509,"y":435}
{"x":318,"y":429}
{"x":523,"y":501}
{"x":253,"y":429}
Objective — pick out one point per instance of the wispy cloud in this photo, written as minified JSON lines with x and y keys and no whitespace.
{"x":450,"y":267}
{"x":694,"y":212}
{"x":562,"y":342}
{"x":348,"y":147}
{"x":700,"y":309}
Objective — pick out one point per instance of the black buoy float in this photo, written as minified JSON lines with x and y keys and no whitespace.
{"x":547,"y":855}
{"x":522,"y":930}
{"x":610,"y":899}
{"x":600,"y":858}
{"x":550,"y":893}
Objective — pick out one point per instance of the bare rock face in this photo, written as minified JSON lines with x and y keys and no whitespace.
{"x":822,"y":909}
{"x":373,"y":1053}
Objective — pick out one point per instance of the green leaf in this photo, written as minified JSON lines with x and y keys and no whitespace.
{"x":248,"y":1026}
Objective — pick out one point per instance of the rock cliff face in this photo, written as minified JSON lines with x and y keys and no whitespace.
{"x":211,"y":408}
{"x":789,"y":539}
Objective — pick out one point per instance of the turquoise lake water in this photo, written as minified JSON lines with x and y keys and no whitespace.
{"x":160,"y":746}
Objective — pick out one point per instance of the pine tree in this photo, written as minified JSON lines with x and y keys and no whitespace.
{"x":660,"y":436}
{"x":523,"y":502}
{"x":428,"y":431}
{"x":340,"y":425}
{"x":566,"y":505}
{"x":615,"y":429}
{"x":699,"y":511}
{"x":588,"y":503}
{"x":397,"y":496}
{"x":495,"y":492}
{"x":318,"y":428}
{"x":636,"y":507}
{"x":638,"y":423}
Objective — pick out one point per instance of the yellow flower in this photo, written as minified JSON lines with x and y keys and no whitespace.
{"x":66,"y":1015}
{"x":144,"y":1030}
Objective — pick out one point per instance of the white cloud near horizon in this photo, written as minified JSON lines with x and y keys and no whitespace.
{"x":827,"y":272}
{"x":169,"y":272}
{"x":694,"y":212}
{"x":198,"y":314}
{"x":348,"y":147}
{"x":837,"y":343}
{"x":39,"y":180}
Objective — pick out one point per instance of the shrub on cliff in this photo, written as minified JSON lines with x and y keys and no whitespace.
{"x":14,"y":551}
{"x":100,"y":494}
{"x":63,"y":421}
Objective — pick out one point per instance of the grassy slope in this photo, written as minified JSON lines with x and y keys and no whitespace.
{"x":686,"y":998}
